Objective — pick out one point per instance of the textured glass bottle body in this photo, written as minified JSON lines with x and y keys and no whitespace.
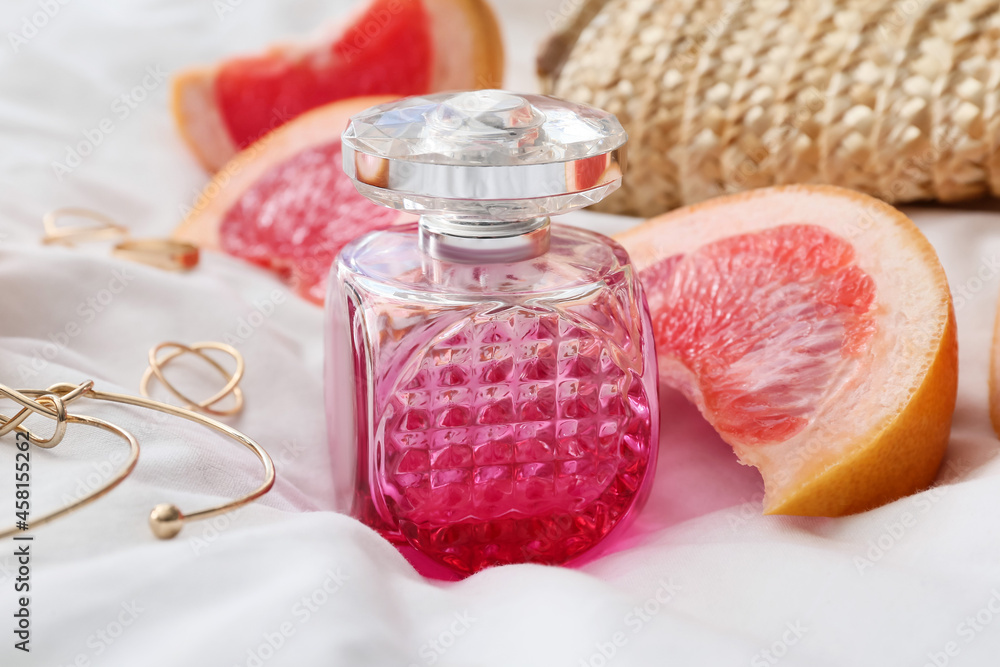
{"x":490,"y":413}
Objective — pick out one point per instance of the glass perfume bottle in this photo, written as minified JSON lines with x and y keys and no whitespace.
{"x":491,"y":380}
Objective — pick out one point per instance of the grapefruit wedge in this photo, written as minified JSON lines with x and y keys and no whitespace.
{"x":813,"y":327}
{"x":285,"y":202}
{"x":389,"y":47}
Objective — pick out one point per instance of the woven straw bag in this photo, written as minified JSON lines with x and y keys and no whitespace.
{"x":898,"y":99}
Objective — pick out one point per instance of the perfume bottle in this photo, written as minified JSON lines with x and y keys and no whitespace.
{"x":490,"y":379}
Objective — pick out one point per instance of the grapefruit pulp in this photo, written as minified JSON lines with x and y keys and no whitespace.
{"x":813,"y":327}
{"x":285,"y":202}
{"x":389,"y":47}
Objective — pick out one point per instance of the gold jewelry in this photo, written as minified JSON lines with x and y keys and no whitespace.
{"x":70,"y":235}
{"x":165,"y":254}
{"x":166,"y":520}
{"x":156,"y":366}
{"x":124,"y":472}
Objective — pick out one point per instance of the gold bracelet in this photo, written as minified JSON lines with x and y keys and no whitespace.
{"x":59,"y":406}
{"x":166,"y":520}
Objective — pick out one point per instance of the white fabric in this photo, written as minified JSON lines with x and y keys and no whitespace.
{"x":704,"y":580}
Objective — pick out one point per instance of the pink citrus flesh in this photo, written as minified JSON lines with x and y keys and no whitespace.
{"x":297,"y":217}
{"x":791,"y":293}
{"x":391,"y":36}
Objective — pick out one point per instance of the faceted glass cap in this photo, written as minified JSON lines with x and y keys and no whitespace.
{"x":484,"y":127}
{"x":484,"y":154}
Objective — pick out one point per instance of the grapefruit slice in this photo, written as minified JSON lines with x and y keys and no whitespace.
{"x":813,"y":327}
{"x":389,"y":47}
{"x":285,"y":202}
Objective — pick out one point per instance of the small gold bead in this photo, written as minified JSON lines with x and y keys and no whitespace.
{"x":166,"y":521}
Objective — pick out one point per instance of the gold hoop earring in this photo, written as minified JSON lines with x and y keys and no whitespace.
{"x":166,"y":520}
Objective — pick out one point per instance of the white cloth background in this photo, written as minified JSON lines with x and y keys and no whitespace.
{"x":704,"y":580}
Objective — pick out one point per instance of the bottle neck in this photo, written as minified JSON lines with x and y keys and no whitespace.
{"x":479,"y":242}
